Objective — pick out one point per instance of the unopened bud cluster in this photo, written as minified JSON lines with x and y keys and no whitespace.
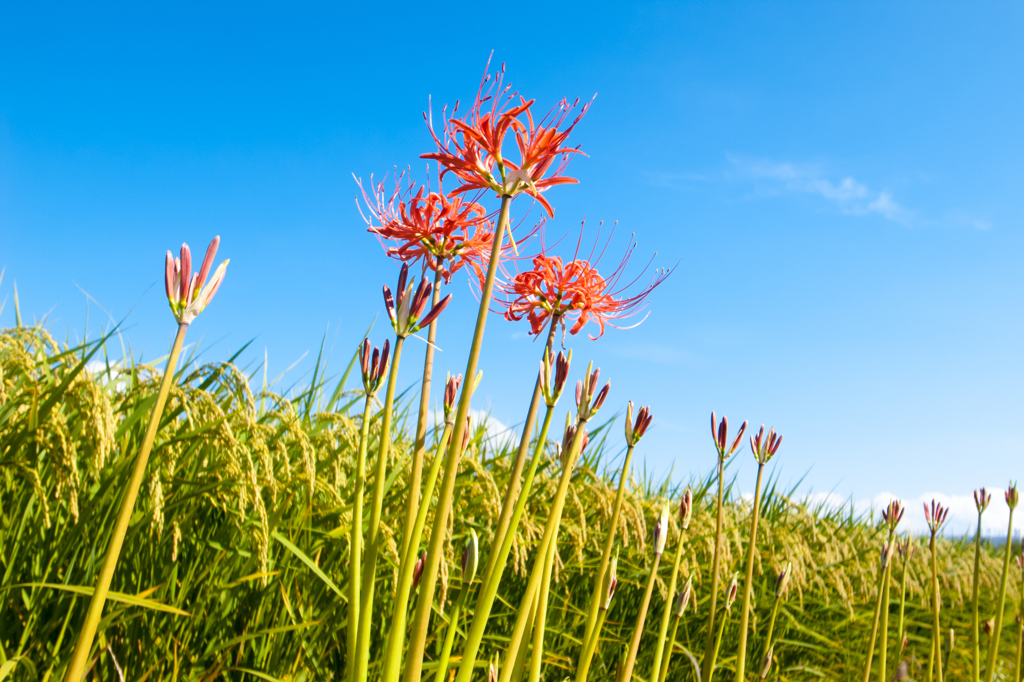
{"x":406,"y":313}
{"x":763,"y":446}
{"x":187,"y":292}
{"x":553,"y":373}
{"x":588,"y":398}
{"x":720,"y":434}
{"x":636,"y":430}
{"x":374,"y":366}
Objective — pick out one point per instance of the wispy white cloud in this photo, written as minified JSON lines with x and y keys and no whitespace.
{"x":847,"y":194}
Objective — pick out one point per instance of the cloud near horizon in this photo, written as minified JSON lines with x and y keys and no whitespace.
{"x":848,"y":195}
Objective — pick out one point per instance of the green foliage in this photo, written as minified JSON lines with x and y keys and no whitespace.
{"x":243,"y":527}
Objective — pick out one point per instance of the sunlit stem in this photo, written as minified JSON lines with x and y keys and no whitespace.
{"x":522,"y":656}
{"x":993,"y":645}
{"x":708,"y":663}
{"x":975,"y":618}
{"x":718,"y":640}
{"x":771,"y":627}
{"x":540,"y":620}
{"x":396,"y":633}
{"x":1019,"y":660}
{"x":356,"y":544}
{"x":428,"y":582}
{"x":883,"y":573}
{"x":741,"y":660}
{"x":420,"y":446}
{"x":663,"y":673}
{"x":373,"y":544}
{"x":641,"y":619}
{"x":449,"y":638}
{"x":667,"y":613}
{"x":936,"y":657}
{"x":884,"y":627}
{"x":596,"y":598}
{"x":489,"y":591}
{"x":592,"y":643}
{"x":80,"y":657}
{"x":537,"y":574}
{"x":903,"y":597}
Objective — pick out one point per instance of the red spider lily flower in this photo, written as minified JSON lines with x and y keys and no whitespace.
{"x":374,"y":366}
{"x":893,"y":514}
{"x":686,"y":509}
{"x":636,"y":430}
{"x":185,"y":289}
{"x":764,"y":447}
{"x":576,"y":291}
{"x":407,"y":312}
{"x":935,"y":516}
{"x":472,"y":147}
{"x":720,"y":434}
{"x":981,"y":500}
{"x":553,"y":373}
{"x":446,"y":233}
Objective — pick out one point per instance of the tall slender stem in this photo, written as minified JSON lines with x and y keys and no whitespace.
{"x":667,"y":613}
{"x":884,"y":628}
{"x":975,"y":618}
{"x":668,"y":652}
{"x":741,"y":660}
{"x":903,"y":597}
{"x":540,"y":619}
{"x":591,"y":645}
{"x":420,"y":446}
{"x":368,"y":581}
{"x":524,"y":646}
{"x":1018,"y":662}
{"x":356,"y":544}
{"x":641,"y":619}
{"x":993,"y":645}
{"x":709,"y":648}
{"x":936,"y":605}
{"x":80,"y":657}
{"x":484,"y":602}
{"x":550,"y":530}
{"x":428,"y":582}
{"x":449,"y":638}
{"x":596,"y":598}
{"x":882,"y":574}
{"x":771,"y":630}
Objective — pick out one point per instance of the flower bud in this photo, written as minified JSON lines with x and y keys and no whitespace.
{"x":417,"y":571}
{"x":492,"y":672}
{"x":636,"y":430}
{"x":885,"y":555}
{"x":610,"y":582}
{"x":764,"y":447}
{"x":588,"y":398}
{"x":686,"y":509}
{"x":684,"y":598}
{"x":1012,"y":496}
{"x":981,"y":499}
{"x":188,"y":293}
{"x":730,"y":596}
{"x":903,"y":643}
{"x":988,"y":626}
{"x":892,"y":514}
{"x":470,"y":557}
{"x":782,"y":582}
{"x":451,"y":390}
{"x":553,"y":373}
{"x":766,"y":665}
{"x":661,"y":531}
{"x":721,"y":436}
{"x":406,"y":313}
{"x":952,"y":638}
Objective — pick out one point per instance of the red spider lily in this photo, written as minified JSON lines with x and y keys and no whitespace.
{"x":1012,"y":496}
{"x":185,"y":289}
{"x":446,"y":233}
{"x":374,"y":366}
{"x":720,"y":434}
{"x":553,"y":373}
{"x":573,"y":291}
{"x":636,"y":430}
{"x":935,"y":516}
{"x":893,"y":514}
{"x":406,"y":313}
{"x":588,"y":399}
{"x":981,"y":499}
{"x":764,"y":447}
{"x":686,"y":509}
{"x":472,"y":147}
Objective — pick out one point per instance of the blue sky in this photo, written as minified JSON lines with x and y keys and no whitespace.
{"x":840,"y":184}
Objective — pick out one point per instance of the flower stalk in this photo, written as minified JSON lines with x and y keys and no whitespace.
{"x":660,"y":535}
{"x":891,"y":516}
{"x":1012,"y":498}
{"x":608,"y":587}
{"x":981,"y":502}
{"x":685,"y":512}
{"x":763,"y":446}
{"x":936,"y":517}
{"x":470,"y":558}
{"x":781,"y":582}
{"x":681,"y":604}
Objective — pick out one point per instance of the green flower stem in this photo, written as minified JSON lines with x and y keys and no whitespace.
{"x":1019,"y":660}
{"x":667,"y":613}
{"x":80,"y":657}
{"x":596,"y":598}
{"x":428,"y":582}
{"x":396,"y":634}
{"x":449,"y":638}
{"x":420,"y":445}
{"x":668,"y":652}
{"x":373,"y":544}
{"x":884,"y":629}
{"x":512,"y":494}
{"x":975,"y":619}
{"x":356,"y":544}
{"x":708,"y":663}
{"x":771,"y":629}
{"x":591,"y":647}
{"x":485,"y":601}
{"x":903,"y":597}
{"x":883,"y":573}
{"x":741,"y":659}
{"x":718,"y":641}
{"x":936,"y":657}
{"x":524,"y":647}
{"x":550,"y":529}
{"x":638,"y":629}
{"x":540,"y":618}
{"x":993,"y":645}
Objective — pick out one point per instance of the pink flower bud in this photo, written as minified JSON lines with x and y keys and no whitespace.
{"x":451,"y":389}
{"x":981,"y":500}
{"x":686,"y":509}
{"x":730,"y":596}
{"x":1012,"y":496}
{"x":186,"y":271}
{"x":685,"y":596}
{"x":417,"y":571}
{"x":434,"y":312}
